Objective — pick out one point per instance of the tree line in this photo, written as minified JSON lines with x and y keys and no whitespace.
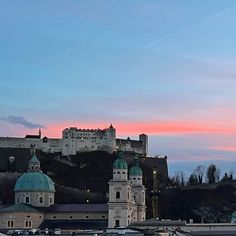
{"x":200,"y":175}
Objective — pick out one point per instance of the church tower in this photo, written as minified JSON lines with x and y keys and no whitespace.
{"x":136,"y":178}
{"x":119,"y":194}
{"x":126,"y":196}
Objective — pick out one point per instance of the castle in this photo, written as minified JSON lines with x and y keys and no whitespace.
{"x":76,"y":140}
{"x":35,"y":193}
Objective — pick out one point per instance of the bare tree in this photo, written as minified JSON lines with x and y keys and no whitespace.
{"x":210,"y":175}
{"x":179,"y":178}
{"x":213,"y":174}
{"x":192,"y":180}
{"x":200,"y":173}
{"x":217,"y":174}
{"x":231,"y":175}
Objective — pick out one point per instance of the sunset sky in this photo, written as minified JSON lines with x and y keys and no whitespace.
{"x":160,"y":67}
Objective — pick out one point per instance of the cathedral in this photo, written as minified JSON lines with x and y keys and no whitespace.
{"x":35,"y":208}
{"x":126,"y":194}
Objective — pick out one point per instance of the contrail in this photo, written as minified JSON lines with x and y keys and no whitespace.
{"x":172,"y":35}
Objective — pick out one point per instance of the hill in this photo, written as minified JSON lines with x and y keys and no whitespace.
{"x":83,"y":178}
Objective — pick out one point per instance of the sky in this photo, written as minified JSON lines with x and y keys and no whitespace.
{"x":160,"y":67}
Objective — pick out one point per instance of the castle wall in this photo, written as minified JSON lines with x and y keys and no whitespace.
{"x":80,"y":140}
{"x":51,"y":146}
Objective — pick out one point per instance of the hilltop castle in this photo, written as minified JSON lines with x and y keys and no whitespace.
{"x":76,"y":140}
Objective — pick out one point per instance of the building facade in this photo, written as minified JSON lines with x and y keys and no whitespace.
{"x":34,"y":201}
{"x":34,"y":205}
{"x":126,"y":195}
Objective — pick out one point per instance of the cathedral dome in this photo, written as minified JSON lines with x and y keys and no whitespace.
{"x":120,"y":163}
{"x":135,"y":170}
{"x":34,"y":182}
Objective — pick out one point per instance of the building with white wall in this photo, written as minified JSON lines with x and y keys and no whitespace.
{"x":126,"y":195}
{"x":75,"y":140}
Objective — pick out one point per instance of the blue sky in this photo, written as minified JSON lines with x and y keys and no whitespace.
{"x":165,"y":68}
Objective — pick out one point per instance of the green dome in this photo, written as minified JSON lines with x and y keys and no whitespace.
{"x":135,"y":170}
{"x":33,"y":182}
{"x":120,"y":163}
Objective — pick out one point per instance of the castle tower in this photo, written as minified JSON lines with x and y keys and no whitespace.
{"x":120,"y":199}
{"x":110,"y":136}
{"x":34,"y":187}
{"x":136,"y":178}
{"x":144,"y":139}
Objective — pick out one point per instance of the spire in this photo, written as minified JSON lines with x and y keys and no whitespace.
{"x":136,"y":161}
{"x":34,"y":163}
{"x":120,"y":155}
{"x":40,"y":133}
{"x":135,"y":170}
{"x":111,"y":126}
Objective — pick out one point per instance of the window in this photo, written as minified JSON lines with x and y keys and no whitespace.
{"x":117,"y":195}
{"x":70,"y":217}
{"x":118,"y":172}
{"x":27,"y":199}
{"x":117,"y":223}
{"x":86,"y":217}
{"x":28,"y":216}
{"x":50,"y":200}
{"x":54,"y":217}
{"x":10,"y":224}
{"x":103,"y":217}
{"x":41,"y":200}
{"x":28,"y":224}
{"x":123,"y":172}
{"x":18,"y":200}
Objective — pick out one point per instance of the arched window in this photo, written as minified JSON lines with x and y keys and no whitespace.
{"x":117,"y":195}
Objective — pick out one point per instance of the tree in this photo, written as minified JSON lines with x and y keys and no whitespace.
{"x":231,"y":174}
{"x":228,"y":176}
{"x":225,"y":178}
{"x":199,"y":172}
{"x":217,"y":174}
{"x":179,"y":178}
{"x":210,"y":175}
{"x":213,"y":174}
{"x":193,"y":179}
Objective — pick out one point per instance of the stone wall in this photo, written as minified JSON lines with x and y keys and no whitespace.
{"x":20,"y":197}
{"x":19,"y":219}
